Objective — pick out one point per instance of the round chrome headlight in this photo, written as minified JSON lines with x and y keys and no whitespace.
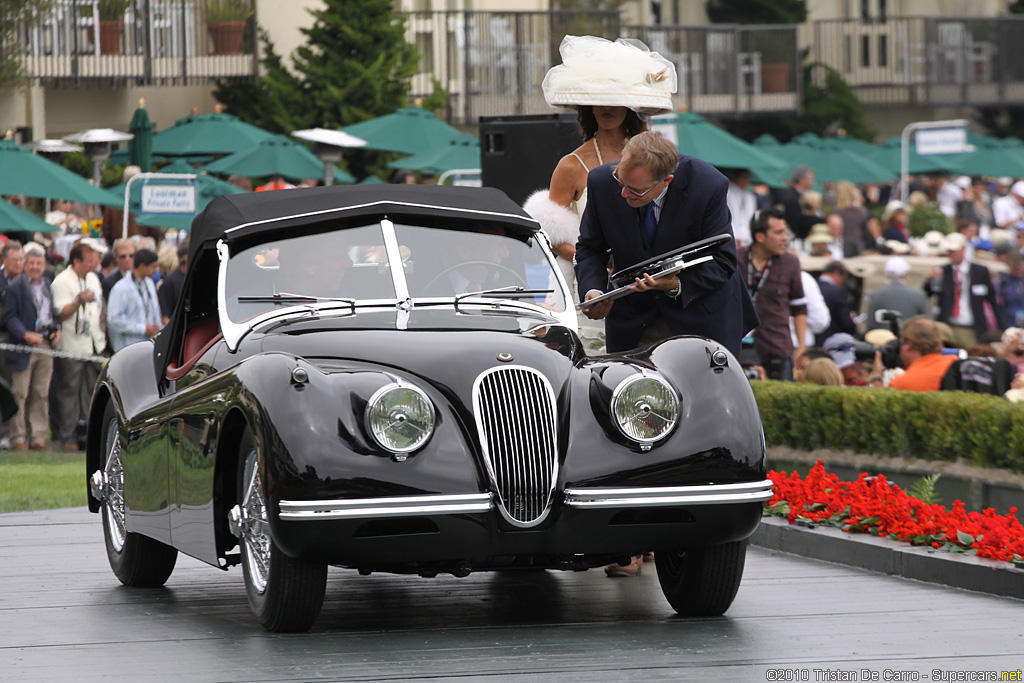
{"x":400,"y":417}
{"x":645,"y":408}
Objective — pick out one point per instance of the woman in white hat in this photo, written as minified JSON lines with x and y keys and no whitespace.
{"x":612,"y":86}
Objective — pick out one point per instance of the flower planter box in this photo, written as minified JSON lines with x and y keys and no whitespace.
{"x":227,"y":36}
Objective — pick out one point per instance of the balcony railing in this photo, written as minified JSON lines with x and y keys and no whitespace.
{"x":926,"y":61}
{"x":154,"y":42}
{"x":492,"y":63}
{"x":730,"y":70}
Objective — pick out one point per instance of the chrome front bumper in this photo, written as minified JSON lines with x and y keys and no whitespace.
{"x":472,"y":503}
{"x":664,"y":496}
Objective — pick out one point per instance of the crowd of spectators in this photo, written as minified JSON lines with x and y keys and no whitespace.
{"x":968,"y":315}
{"x":83,"y":306}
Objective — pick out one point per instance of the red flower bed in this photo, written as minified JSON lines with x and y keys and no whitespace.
{"x":874,"y":505}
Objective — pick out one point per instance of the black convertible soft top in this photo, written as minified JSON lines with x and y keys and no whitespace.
{"x":247,"y":215}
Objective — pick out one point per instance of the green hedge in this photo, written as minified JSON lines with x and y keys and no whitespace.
{"x":986,"y":431}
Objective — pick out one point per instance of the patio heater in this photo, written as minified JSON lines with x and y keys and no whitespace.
{"x":97,"y":142}
{"x":51,"y":151}
{"x":329,"y":145}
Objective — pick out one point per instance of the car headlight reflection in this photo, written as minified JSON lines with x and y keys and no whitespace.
{"x":400,"y":417}
{"x":645,"y":408}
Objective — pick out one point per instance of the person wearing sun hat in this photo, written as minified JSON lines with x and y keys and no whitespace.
{"x":966,"y":297}
{"x":611,"y":86}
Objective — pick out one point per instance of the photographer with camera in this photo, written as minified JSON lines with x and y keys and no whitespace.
{"x":921,"y":354}
{"x":31,"y":321}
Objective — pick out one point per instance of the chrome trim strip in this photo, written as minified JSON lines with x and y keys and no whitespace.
{"x":527,"y":221}
{"x":664,"y":496}
{"x":394,"y":257}
{"x":375,"y":508}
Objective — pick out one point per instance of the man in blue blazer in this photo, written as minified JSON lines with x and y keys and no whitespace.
{"x":656,"y":200}
{"x":964,"y":291}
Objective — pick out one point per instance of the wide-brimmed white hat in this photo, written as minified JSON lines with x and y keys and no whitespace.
{"x":820,"y":235}
{"x":597,"y":72}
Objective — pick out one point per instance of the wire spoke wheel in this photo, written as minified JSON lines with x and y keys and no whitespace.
{"x":136,"y":560}
{"x":285,"y":593}
{"x":255,"y":539}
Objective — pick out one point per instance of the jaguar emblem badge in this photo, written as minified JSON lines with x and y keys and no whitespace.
{"x":505,"y":357}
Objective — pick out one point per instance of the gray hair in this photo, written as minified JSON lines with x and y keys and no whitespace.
{"x":801,"y":172}
{"x":34,"y":249}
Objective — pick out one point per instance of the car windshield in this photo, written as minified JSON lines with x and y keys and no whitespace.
{"x":352,"y":265}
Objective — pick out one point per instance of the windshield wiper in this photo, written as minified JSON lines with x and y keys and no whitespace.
{"x":512,"y":292}
{"x":288,"y":298}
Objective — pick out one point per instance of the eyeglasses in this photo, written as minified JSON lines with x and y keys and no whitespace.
{"x":615,"y":175}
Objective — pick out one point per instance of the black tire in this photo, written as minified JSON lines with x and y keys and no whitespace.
{"x":701,"y":582}
{"x":285,"y":594}
{"x":136,"y":560}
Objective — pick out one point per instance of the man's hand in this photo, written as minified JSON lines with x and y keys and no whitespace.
{"x":599,"y":310}
{"x":87,"y":295}
{"x":798,"y":352}
{"x":33,"y":338}
{"x":877,"y":369}
{"x":668,"y":283}
{"x":151,"y":330}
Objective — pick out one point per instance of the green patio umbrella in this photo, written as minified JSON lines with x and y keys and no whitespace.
{"x":208,"y":188}
{"x":695,"y":136}
{"x":462,"y":153}
{"x":13,"y":219}
{"x":409,"y":131}
{"x":23,"y":172}
{"x":371,"y":180}
{"x":276,"y":155}
{"x":833,"y":161}
{"x":766,"y":140}
{"x":888,"y":155}
{"x":991,"y":157}
{"x":207,"y":134}
{"x":140,"y":147}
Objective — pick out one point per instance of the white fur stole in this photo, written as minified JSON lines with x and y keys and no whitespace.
{"x":561,"y":223}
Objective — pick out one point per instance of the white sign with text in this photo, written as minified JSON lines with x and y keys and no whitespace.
{"x":942,"y":141}
{"x":168,"y":198}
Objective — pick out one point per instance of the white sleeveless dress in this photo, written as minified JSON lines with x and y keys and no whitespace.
{"x":577,"y":207}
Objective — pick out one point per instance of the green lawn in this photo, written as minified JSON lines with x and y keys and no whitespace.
{"x":32,"y":480}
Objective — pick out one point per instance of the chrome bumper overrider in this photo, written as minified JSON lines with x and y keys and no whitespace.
{"x":662,"y":496}
{"x":375,"y":508}
{"x":470,"y":503}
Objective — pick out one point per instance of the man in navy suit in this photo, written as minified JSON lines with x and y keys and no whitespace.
{"x":965,"y":291}
{"x":656,"y":200}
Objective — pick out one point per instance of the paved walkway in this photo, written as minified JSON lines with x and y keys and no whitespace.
{"x":64,"y":617}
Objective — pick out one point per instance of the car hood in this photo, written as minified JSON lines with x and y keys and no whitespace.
{"x":433,"y":344}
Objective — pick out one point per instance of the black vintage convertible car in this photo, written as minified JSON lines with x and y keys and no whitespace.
{"x":389,"y":380}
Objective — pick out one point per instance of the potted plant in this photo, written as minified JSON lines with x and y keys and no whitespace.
{"x":225,"y":20}
{"x":111,"y":15}
{"x":110,"y":25}
{"x":777,"y":51}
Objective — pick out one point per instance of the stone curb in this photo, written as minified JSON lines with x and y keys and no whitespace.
{"x":891,"y":557}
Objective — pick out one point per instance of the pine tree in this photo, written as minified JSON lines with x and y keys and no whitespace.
{"x":15,"y":13}
{"x":356,"y":63}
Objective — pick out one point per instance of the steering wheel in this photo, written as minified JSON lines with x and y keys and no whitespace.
{"x":492,"y":270}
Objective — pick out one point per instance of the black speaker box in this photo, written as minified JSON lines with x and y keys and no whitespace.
{"x":519,"y":153}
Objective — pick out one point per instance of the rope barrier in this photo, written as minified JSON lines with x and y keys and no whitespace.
{"x":52,"y":352}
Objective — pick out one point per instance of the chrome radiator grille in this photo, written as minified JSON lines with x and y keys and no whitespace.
{"x":515,"y":412}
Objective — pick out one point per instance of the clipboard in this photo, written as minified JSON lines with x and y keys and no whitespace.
{"x":666,"y":264}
